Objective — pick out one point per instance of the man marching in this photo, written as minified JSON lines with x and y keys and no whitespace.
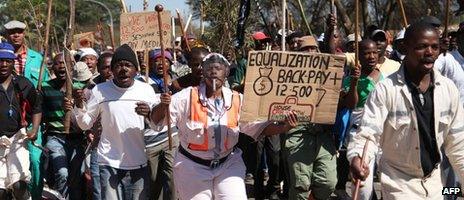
{"x":411,"y":115}
{"x":20,"y":105}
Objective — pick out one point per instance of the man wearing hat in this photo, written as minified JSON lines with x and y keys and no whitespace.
{"x":63,"y":146}
{"x":89,"y":56}
{"x":308,"y":44}
{"x":160,"y":158}
{"x":399,"y":48}
{"x":123,"y":106}
{"x":20,"y":107}
{"x":27,"y":63}
{"x":386,"y":65}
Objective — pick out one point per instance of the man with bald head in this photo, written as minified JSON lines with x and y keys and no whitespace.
{"x":408,"y":118}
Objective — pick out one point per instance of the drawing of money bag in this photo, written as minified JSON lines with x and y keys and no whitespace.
{"x":263,"y":84}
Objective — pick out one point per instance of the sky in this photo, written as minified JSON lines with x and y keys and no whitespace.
{"x":172,"y":5}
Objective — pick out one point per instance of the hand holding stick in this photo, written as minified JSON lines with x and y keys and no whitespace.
{"x":159,"y":8}
{"x":358,"y":181}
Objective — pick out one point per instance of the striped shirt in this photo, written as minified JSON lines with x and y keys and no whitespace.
{"x":53,"y":112}
{"x":20,"y":61}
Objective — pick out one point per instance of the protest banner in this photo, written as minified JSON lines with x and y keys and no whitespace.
{"x":307,"y":83}
{"x":81,"y":40}
{"x":140,"y":30}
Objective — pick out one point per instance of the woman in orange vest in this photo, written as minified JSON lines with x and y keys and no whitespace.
{"x":208,"y":166}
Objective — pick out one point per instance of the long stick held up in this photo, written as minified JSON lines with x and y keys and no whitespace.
{"x":284,"y":16}
{"x":159,"y":8}
{"x":45,"y":45}
{"x":447,"y":10}
{"x":182,"y":30}
{"x":356,"y":35}
{"x":405,"y":21}
{"x":358,"y":181}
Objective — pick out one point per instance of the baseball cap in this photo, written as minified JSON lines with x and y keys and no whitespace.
{"x":379,"y":34}
{"x":6,"y":51}
{"x":260,"y":36}
{"x":351,"y":38}
{"x":81,"y":72}
{"x":14,"y":24}
{"x":431,"y":20}
{"x":86,"y":51}
{"x":157,"y":54}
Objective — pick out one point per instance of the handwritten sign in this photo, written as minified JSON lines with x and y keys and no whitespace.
{"x":278,"y":82}
{"x":141,"y":30}
{"x":81,"y":40}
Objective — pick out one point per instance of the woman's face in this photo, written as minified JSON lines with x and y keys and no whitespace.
{"x":215,"y":71}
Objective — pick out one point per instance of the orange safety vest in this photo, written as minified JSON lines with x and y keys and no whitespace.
{"x":199,"y":113}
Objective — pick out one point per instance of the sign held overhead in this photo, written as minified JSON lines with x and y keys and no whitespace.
{"x":140,"y":30}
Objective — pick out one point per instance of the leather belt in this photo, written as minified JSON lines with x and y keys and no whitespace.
{"x":209,"y":163}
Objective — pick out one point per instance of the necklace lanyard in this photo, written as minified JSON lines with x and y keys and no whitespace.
{"x":10,"y":101}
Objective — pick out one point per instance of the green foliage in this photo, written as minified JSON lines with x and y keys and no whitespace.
{"x":34,"y":12}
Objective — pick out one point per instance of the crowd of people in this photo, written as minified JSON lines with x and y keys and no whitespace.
{"x":403,"y":103}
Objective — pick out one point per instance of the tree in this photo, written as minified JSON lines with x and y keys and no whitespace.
{"x":87,"y":16}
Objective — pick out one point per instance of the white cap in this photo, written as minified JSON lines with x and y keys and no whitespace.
{"x":178,"y":39}
{"x":287,"y":32}
{"x":321,"y":37}
{"x":400,"y":35}
{"x":14,"y":25}
{"x":351,"y":38}
{"x":87,"y":51}
{"x":81,"y":72}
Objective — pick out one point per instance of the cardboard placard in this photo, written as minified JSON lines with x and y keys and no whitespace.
{"x":81,"y":40}
{"x":277,"y":82}
{"x":140,"y":30}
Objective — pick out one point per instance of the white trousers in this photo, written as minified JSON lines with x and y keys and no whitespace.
{"x":199,"y":182}
{"x":14,"y":160}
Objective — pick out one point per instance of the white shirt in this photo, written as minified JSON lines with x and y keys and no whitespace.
{"x":390,"y":123}
{"x":452,"y":67}
{"x":121,"y":144}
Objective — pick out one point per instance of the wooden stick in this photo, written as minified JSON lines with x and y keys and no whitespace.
{"x":111,"y":36}
{"x":182,"y":30}
{"x":189,"y":19}
{"x":173,"y":25}
{"x":284,"y":16}
{"x":45,"y":45}
{"x":333,"y":10}
{"x":202,"y":27}
{"x":69,"y":63}
{"x":303,"y":15}
{"x":159,"y":8}
{"x":123,"y":5}
{"x":445,"y":32}
{"x":356,"y":35}
{"x":405,"y":21}
{"x":147,"y":65}
{"x":358,"y":181}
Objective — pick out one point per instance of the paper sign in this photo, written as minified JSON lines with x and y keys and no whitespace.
{"x":278,"y":82}
{"x":83,"y":40}
{"x":141,"y":30}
